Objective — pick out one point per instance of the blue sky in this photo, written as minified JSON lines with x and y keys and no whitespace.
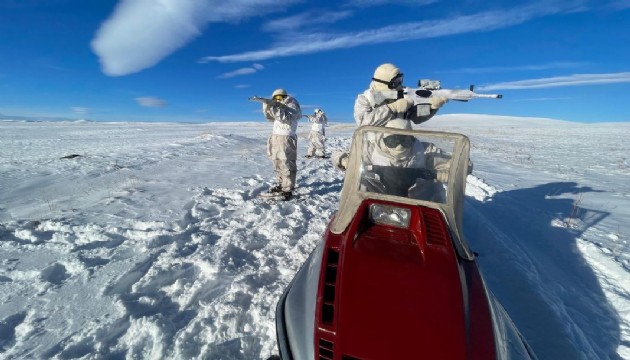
{"x":199,"y":60}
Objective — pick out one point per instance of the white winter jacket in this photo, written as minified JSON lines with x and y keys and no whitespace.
{"x":319,"y":121}
{"x":370,"y":109}
{"x":285,"y":118}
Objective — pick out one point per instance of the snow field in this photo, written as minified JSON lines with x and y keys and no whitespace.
{"x":153,"y":243}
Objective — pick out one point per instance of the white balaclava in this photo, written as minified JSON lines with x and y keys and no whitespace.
{"x":400,"y":154}
{"x":386,"y":73}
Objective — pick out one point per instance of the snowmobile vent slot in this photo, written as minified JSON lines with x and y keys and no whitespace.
{"x":348,"y":357}
{"x":325,"y":349}
{"x":330,"y":282}
{"x":434,"y":225}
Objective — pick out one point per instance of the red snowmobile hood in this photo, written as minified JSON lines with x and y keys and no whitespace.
{"x":403,"y":294}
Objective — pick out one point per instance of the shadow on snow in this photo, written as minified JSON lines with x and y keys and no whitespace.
{"x":538,"y":273}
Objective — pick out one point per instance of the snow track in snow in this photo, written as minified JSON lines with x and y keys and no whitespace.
{"x":201,"y":284}
{"x":154,"y":244}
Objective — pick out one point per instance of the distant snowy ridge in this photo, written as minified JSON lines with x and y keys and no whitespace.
{"x":33,"y":118}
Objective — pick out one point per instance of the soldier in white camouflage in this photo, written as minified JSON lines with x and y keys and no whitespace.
{"x":285,"y":113}
{"x":317,"y":135}
{"x":372,"y":109}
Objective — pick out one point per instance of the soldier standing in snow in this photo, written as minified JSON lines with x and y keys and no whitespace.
{"x":282,"y":144}
{"x":373,"y":109}
{"x":317,"y":136}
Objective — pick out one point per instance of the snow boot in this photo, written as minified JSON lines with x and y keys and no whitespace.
{"x":287,"y":195}
{"x":275,"y":189}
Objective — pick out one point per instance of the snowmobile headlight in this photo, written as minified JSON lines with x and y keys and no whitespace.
{"x":390,"y":215}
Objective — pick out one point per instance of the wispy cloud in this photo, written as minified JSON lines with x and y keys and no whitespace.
{"x":242,"y":71}
{"x":242,"y":86}
{"x":80,"y":110}
{"x":481,"y":22}
{"x":141,"y":33}
{"x":620,"y":4}
{"x":148,"y":101}
{"x":307,"y":19}
{"x":537,"y":67}
{"x":561,"y":81}
{"x":368,"y":3}
{"x":543,"y":99}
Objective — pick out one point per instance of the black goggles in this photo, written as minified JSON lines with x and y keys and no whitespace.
{"x":394,"y":83}
{"x":393,"y":141}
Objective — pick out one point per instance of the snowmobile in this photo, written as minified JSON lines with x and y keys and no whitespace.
{"x":393,"y":277}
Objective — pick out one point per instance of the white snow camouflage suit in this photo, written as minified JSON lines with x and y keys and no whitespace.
{"x":371,"y":110}
{"x":282,"y":144}
{"x":317,"y":135}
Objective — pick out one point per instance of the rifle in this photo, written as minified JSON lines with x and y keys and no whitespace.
{"x":269,"y":102}
{"x":421,"y":97}
{"x":428,"y":88}
{"x":262,"y":100}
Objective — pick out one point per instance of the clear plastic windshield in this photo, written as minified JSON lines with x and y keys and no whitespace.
{"x":406,"y":165}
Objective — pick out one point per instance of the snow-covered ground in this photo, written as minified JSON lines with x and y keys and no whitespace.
{"x":152,"y":243}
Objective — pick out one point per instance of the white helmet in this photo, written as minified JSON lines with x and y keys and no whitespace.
{"x":318,"y":110}
{"x":279,"y":92}
{"x":387,"y":76}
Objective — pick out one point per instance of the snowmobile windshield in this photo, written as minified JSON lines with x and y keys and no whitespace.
{"x":426,"y":168}
{"x":409,"y":166}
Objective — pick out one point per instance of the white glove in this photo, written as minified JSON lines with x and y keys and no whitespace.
{"x":442,"y":171}
{"x":340,"y":160}
{"x":442,"y":176}
{"x":437,"y":101}
{"x":400,"y":105}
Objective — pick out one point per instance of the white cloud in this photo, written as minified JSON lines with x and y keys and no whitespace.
{"x":307,"y":19}
{"x":368,"y":3}
{"x":80,"y":110}
{"x":242,"y":86}
{"x":485,"y":21}
{"x":140,"y":33}
{"x":242,"y":71}
{"x":537,"y":67}
{"x":148,"y":101}
{"x":620,"y":4}
{"x":543,"y":99}
{"x":561,"y":81}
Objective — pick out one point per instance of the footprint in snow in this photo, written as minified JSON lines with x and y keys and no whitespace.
{"x":55,"y":274}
